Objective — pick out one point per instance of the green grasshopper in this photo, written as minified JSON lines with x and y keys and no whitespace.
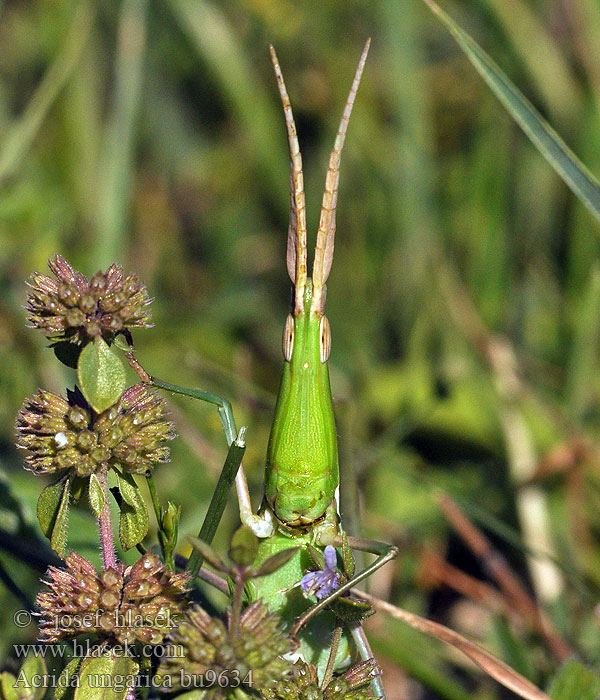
{"x":302,"y":475}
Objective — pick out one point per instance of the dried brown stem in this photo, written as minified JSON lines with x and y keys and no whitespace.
{"x":498,"y":569}
{"x":491,"y":665}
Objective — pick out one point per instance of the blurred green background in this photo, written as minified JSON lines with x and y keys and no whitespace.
{"x":463,"y":298}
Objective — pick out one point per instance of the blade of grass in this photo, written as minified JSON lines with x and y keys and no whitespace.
{"x":540,"y":53}
{"x":23,"y":132}
{"x":574,"y":173}
{"x":403,"y":48}
{"x":219,"y":500}
{"x":583,"y":356}
{"x":213,"y":38}
{"x":407,"y":653}
{"x":114,"y":179}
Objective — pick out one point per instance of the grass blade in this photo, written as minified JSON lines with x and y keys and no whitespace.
{"x":23,"y":132}
{"x":545,"y":139}
{"x":214,"y":39}
{"x":116,"y":170}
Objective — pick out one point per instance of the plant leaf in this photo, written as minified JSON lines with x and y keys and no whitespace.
{"x":128,"y":488}
{"x":7,"y":686}
{"x":574,"y":173}
{"x":244,"y":546}
{"x":66,"y":683}
{"x":30,"y":682}
{"x":574,"y":680}
{"x":53,"y":513}
{"x":67,"y":352}
{"x":133,"y":524}
{"x":101,"y":375}
{"x":94,"y":674}
{"x":209,"y":554}
{"x":96,"y":495}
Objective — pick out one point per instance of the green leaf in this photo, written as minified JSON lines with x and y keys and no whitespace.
{"x":544,"y":138}
{"x":168,"y":532}
{"x":101,"y":375}
{"x":53,"y":513}
{"x":96,"y":495}
{"x":67,"y":679}
{"x":351,"y":609}
{"x":128,"y":488}
{"x":133,"y":524}
{"x":79,"y":486}
{"x":8,"y":689}
{"x":67,"y":352}
{"x":574,"y":680}
{"x":209,"y":554}
{"x":121,"y":342}
{"x":105,"y":678}
{"x":244,"y":546}
{"x":31,"y":682}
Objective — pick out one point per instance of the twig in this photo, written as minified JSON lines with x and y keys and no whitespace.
{"x":498,"y":569}
{"x":436,"y":571}
{"x":501,"y":359}
{"x":495,"y":668}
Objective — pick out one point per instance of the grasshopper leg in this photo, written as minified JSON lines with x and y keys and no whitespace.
{"x":385,"y":552}
{"x":365,"y":652}
{"x":261,"y":526}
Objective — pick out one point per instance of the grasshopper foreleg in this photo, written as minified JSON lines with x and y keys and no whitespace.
{"x":262,"y":526}
{"x":385,"y":552}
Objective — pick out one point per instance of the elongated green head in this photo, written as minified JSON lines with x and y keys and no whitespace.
{"x":302,"y":471}
{"x":302,"y":461}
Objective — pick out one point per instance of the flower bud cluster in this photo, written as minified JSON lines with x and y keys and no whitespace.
{"x":61,"y":434}
{"x":302,"y":684}
{"x":142,"y":602}
{"x":72,"y":307}
{"x":254,"y":653}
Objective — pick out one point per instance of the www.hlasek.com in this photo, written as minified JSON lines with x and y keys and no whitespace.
{"x":119,"y":682}
{"x":88,"y":649}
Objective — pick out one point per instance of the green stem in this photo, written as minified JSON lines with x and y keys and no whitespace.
{"x":155,"y":501}
{"x":219,"y":499}
{"x":236,"y":608}
{"x":107,"y":543}
{"x":333,"y":649}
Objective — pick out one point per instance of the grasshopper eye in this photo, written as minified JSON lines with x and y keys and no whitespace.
{"x":325,"y":339}
{"x":288,"y":338}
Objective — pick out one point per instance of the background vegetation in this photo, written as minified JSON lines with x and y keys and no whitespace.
{"x":463,"y":298}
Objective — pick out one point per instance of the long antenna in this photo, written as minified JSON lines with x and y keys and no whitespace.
{"x":296,"y":245}
{"x":326,"y":232}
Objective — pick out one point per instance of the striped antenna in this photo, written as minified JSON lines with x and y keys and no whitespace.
{"x":296,"y":245}
{"x":326,"y":232}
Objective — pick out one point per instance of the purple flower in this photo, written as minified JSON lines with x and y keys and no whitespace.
{"x":324,"y":581}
